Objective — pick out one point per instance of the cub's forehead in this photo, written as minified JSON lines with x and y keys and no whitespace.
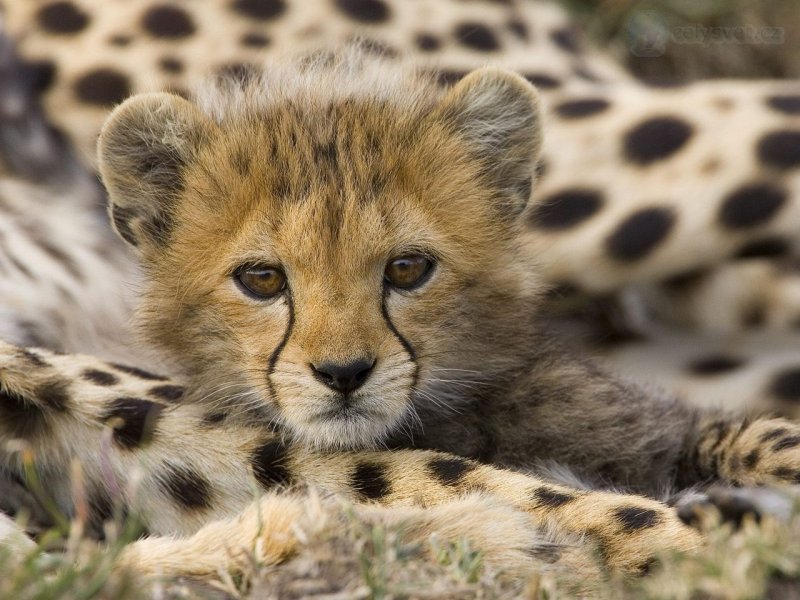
{"x":348,"y":157}
{"x":355,"y":186}
{"x":354,"y":147}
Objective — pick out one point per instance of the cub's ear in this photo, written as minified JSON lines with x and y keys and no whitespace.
{"x":143,"y":150}
{"x":497,"y":113}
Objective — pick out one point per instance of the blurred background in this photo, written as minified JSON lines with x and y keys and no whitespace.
{"x":665,"y":41}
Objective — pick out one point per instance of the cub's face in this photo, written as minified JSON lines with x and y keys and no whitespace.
{"x":341,"y":264}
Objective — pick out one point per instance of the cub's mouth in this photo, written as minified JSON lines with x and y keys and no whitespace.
{"x":361,"y":421}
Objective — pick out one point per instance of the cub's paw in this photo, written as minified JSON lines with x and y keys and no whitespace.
{"x":765,"y":452}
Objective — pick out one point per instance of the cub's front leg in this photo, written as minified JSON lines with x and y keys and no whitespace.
{"x":619,"y":433}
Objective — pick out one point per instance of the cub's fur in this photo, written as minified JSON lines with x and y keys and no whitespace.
{"x":326,"y":172}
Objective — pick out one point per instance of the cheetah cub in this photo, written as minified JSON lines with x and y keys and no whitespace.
{"x":333,"y":265}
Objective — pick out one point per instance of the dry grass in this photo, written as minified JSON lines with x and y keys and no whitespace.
{"x":367,"y":561}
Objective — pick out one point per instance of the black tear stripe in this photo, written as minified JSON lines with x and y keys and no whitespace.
{"x":276,"y":354}
{"x":403,"y":341}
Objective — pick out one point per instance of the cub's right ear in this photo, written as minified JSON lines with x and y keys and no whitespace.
{"x":143,"y":150}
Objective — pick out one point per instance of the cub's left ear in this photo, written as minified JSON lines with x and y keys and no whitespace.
{"x":497,"y":113}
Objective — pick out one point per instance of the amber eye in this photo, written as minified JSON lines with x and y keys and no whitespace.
{"x":408,"y":272}
{"x":261,"y":283}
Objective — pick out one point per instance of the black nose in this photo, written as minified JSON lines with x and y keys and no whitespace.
{"x":343,"y":377}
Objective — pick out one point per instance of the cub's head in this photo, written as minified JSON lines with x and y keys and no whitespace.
{"x":338,"y":245}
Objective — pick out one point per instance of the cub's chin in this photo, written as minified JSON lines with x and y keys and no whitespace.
{"x":363,"y":424}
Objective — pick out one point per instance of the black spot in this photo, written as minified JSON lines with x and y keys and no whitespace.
{"x":780,"y":149}
{"x":782,"y":473}
{"x":771,"y":435}
{"x":186,"y":486}
{"x":567,"y":39}
{"x":751,"y":205}
{"x":633,"y":519}
{"x":255,"y":40}
{"x":543,"y":80}
{"x":264,"y":10}
{"x":166,"y":21}
{"x":103,"y":86}
{"x":518,"y":28}
{"x":427,"y":42}
{"x":751,"y":459}
{"x":139,"y":418}
{"x":786,"y":443}
{"x":655,"y":139}
{"x":19,"y":416}
{"x":42,"y":75}
{"x":170,"y":65}
{"x":169,"y":393}
{"x":137,"y":372}
{"x":447,"y":77}
{"x":476,"y":36}
{"x":771,"y":247}
{"x":586,"y":107}
{"x":550,"y":498}
{"x":214,"y":418}
{"x":450,"y":470}
{"x":369,"y":481}
{"x":786,"y":385}
{"x":270,"y":464}
{"x":53,"y":394}
{"x":366,"y":11}
{"x":789,"y":104}
{"x":62,"y":17}
{"x":100,"y":377}
{"x":33,"y":358}
{"x":715,"y":364}
{"x":565,"y":209}
{"x":640,"y":233}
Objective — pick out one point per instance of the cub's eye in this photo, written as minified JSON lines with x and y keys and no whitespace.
{"x":408,"y":272}
{"x":261,"y":283}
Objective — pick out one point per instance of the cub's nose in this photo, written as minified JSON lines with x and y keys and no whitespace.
{"x":343,"y":377}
